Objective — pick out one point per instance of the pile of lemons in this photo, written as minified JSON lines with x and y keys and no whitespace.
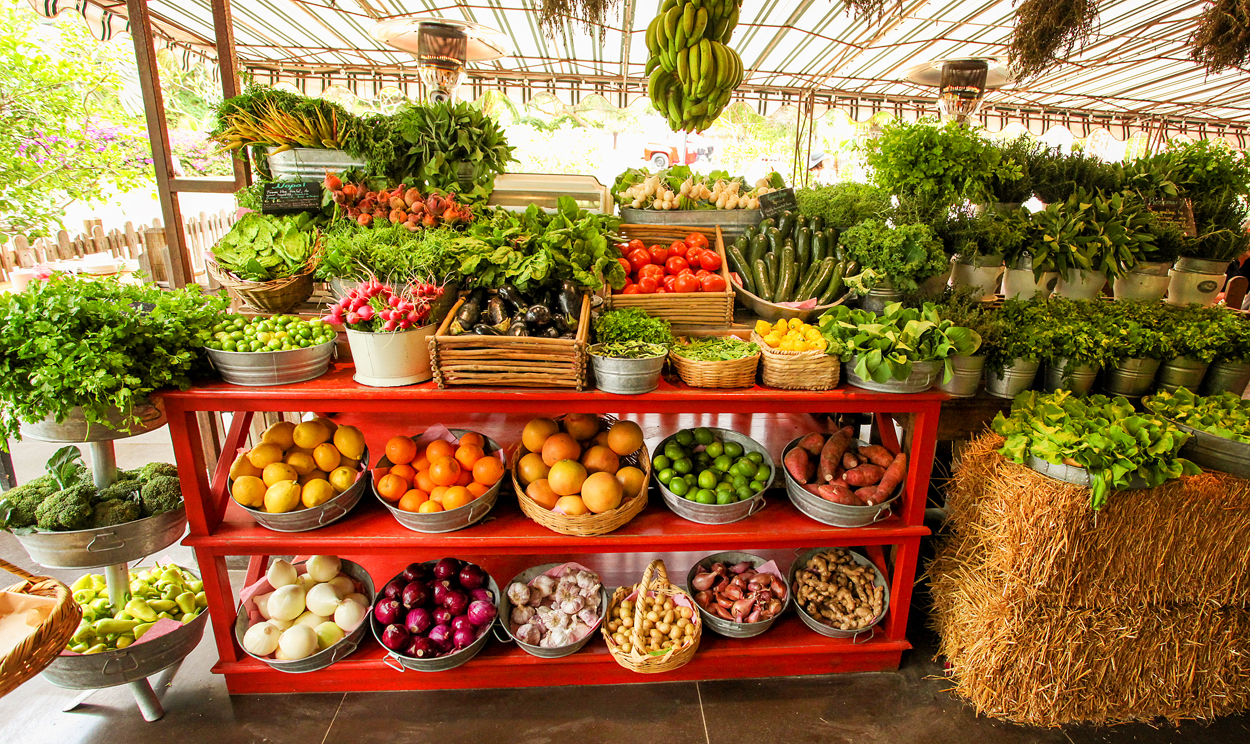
{"x":297,"y":466}
{"x":790,"y":335}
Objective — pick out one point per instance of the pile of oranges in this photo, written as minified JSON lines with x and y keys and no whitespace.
{"x":442,"y":477}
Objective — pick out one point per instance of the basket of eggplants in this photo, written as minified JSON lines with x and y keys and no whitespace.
{"x":552,"y":311}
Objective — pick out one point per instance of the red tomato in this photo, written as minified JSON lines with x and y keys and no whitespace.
{"x":661,"y":290}
{"x":648,"y":285}
{"x":696,"y":240}
{"x":701,"y":273}
{"x":687,"y":283}
{"x":659,"y":254}
{"x":632,"y":246}
{"x":639,"y":258}
{"x":625,"y":264}
{"x":678,"y":248}
{"x":710,"y":260}
{"x":713,"y":283}
{"x":675,"y":264}
{"x":669,"y":282}
{"x":693,"y":254}
{"x":651,"y":271}
{"x":632,"y":289}
{"x":685,"y":271}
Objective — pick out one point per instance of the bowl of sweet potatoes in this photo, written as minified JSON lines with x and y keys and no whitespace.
{"x":842,"y":481}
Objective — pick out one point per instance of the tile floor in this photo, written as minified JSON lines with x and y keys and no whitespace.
{"x":910,"y":705}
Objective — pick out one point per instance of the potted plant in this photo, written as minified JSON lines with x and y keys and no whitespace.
{"x":978,"y":243}
{"x":962,"y":307}
{"x":1026,"y":153}
{"x":843,"y":205}
{"x":1057,"y":176}
{"x":1149,"y":278}
{"x":1012,"y":361}
{"x":1139,"y":331}
{"x":1074,"y":334}
{"x":892,"y":259}
{"x":387,"y":330}
{"x":1195,"y":339}
{"x":1230,"y":369}
{"x":630,"y":352}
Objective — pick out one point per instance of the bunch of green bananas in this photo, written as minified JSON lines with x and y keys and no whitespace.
{"x":692,"y":72}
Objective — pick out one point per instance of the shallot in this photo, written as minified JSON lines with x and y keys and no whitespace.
{"x":739,"y":593}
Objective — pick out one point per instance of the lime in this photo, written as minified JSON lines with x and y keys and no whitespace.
{"x":724,"y":486}
{"x":691,"y":480}
{"x":683,"y":465}
{"x":756,"y":457}
{"x":733,"y":449}
{"x":723,"y":463}
{"x":704,"y":436}
{"x":685,"y":437}
{"x":762,"y":475}
{"x":745,"y":493}
{"x":715,"y":450}
{"x":661,"y":462}
{"x":747,"y":467}
{"x":705,"y":496}
{"x":707,"y":479}
{"x":674,"y":451}
{"x":702,"y":461}
{"x":740,"y":481}
{"x":726,"y":497}
{"x":677,"y":486}
{"x":666,"y":475}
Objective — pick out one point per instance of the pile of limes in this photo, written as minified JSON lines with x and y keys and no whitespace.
{"x":699,"y":467}
{"x":278,"y":333}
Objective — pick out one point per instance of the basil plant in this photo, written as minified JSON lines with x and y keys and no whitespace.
{"x":886,"y":346}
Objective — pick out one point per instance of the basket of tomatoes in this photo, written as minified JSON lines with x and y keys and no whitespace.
{"x":677,"y":274}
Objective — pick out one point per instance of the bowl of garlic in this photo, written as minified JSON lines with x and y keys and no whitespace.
{"x":552,"y":610}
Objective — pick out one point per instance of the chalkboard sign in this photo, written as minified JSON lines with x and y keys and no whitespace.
{"x":772,"y":205}
{"x":291,"y":196}
{"x":1175,"y":211}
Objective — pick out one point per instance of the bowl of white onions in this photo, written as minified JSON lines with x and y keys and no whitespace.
{"x":310,"y":619}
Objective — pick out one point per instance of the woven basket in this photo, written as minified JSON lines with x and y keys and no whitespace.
{"x":588,"y":525}
{"x":278,"y":296}
{"x":41,"y":647}
{"x":654,"y":581}
{"x":797,"y":370}
{"x":735,"y":373}
{"x":709,"y":309}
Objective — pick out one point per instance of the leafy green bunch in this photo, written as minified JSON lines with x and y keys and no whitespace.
{"x":843,"y":205}
{"x":715,"y":348}
{"x":1225,"y":415}
{"x":388,"y":251}
{"x":1058,"y":175}
{"x":904,"y":255}
{"x":1216,"y":180}
{"x":970,"y":235}
{"x":262,"y":247}
{"x":98,"y":344}
{"x":452,"y":147}
{"x":1204,"y":333}
{"x":1107,"y":437}
{"x":1026,"y":153}
{"x":963,"y":307}
{"x":1018,"y":321}
{"x":632,"y":325}
{"x":1089,"y":232}
{"x":947,"y":162}
{"x":886,"y":346}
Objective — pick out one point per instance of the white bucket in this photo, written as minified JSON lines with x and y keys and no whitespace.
{"x":391,"y":359}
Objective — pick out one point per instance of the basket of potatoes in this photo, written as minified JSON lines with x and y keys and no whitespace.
{"x":653,"y":626}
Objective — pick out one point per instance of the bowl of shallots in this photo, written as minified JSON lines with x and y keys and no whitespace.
{"x":738,"y":594}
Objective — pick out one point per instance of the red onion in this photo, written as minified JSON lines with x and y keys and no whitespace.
{"x":418,"y":620}
{"x":394,"y":587}
{"x":447,"y":568}
{"x":471,"y":576}
{"x":464,"y":637}
{"x":442,"y":616}
{"x":481,"y":612}
{"x":415,"y":571}
{"x":461,"y":622}
{"x":395,"y":637}
{"x":386,"y":611}
{"x":441,"y":635}
{"x":415,"y":595}
{"x":456,"y":602}
{"x":440,"y":592}
{"x":421,"y":648}
{"x":483,"y":595}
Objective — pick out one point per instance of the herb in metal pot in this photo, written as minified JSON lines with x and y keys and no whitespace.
{"x":629,"y":350}
{"x":632,"y":324}
{"x":715,"y":349}
{"x":885,"y":346}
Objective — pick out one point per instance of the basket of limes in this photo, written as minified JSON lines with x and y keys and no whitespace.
{"x":279,"y":350}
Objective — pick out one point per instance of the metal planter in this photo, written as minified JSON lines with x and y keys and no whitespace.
{"x":75,"y":429}
{"x":1181,"y":372}
{"x":399,"y":662}
{"x":1079,"y":378}
{"x":827,"y":630}
{"x":923,"y":376}
{"x":445,"y":521}
{"x":303,"y":520}
{"x":1131,"y":378}
{"x":1226,"y":377}
{"x":965,"y":377}
{"x":309,"y":163}
{"x":978,"y":272}
{"x":1208,"y":451}
{"x":729,"y":628}
{"x":505,"y":614}
{"x":719,"y":513}
{"x":105,"y":546}
{"x":1081,"y":284}
{"x":1077,"y":476}
{"x":1014,"y":379}
{"x":264,"y":368}
{"x":877,"y":298}
{"x":1147,"y":281}
{"x":827,"y":512}
{"x":626,"y":376}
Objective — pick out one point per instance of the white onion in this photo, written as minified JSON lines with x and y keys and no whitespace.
{"x":360,"y":598}
{"x":323,"y":567}
{"x":261,"y":639}
{"x":262,"y":604}
{"x":286,"y":603}
{"x":281,"y":573}
{"x":343,"y":583}
{"x":281,"y":624}
{"x":305,"y":582}
{"x":280,"y":656}
{"x":328,"y":634}
{"x":322,"y":599}
{"x":297,"y":642}
{"x":348,"y":615}
{"x":311,"y":619}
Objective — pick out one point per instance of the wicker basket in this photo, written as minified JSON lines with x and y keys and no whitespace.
{"x":48,"y":641}
{"x":797,"y":370}
{"x":588,"y":525}
{"x":654,"y":581}
{"x":709,"y":309}
{"x":278,"y":296}
{"x":735,"y":373}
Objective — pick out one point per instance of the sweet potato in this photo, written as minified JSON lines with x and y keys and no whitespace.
{"x":893,"y":475}
{"x":849,"y":460}
{"x":876,"y":454}
{"x":831,"y":454}
{"x":813,"y":489}
{"x":864,"y":475}
{"x":838,"y":494}
{"x":867,"y":495}
{"x":799,"y":465}
{"x":813,"y":443}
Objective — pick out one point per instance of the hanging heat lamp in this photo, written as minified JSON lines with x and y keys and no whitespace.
{"x":961,"y":83}
{"x":442,"y":48}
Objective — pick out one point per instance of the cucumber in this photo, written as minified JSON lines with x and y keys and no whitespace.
{"x":821,"y":281}
{"x":805,"y":284}
{"x":772,"y":260}
{"x":775,"y":241}
{"x":764,"y":225}
{"x":839,"y":250}
{"x":740,"y":263}
{"x":803,"y":249}
{"x":832,"y":237}
{"x":750,"y":233}
{"x":834,"y":289}
{"x":786,"y":225}
{"x":800,"y":222}
{"x":762,"y":281}
{"x":819,"y":249}
{"x":759,"y":246}
{"x":817,"y":224}
{"x":785,"y":280}
{"x":743,"y":244}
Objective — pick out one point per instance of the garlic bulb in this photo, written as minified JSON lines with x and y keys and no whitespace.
{"x":556,"y":639}
{"x":571,"y":606}
{"x":323,"y":567}
{"x":322,"y":599}
{"x":578,"y":630}
{"x":529,"y":634}
{"x":297,"y":642}
{"x":287,"y":603}
{"x":589,"y":616}
{"x":261,"y":639}
{"x":522,"y":615}
{"x":281,"y":573}
{"x":545,"y":585}
{"x":518,"y":593}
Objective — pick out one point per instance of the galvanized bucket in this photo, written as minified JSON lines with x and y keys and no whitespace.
{"x":105,"y":546}
{"x":978,"y":272}
{"x":729,"y":628}
{"x":826,"y":630}
{"x":923,"y":376}
{"x":626,"y":376}
{"x":505,"y":615}
{"x":445,"y":521}
{"x":1147,"y":281}
{"x":877,"y":298}
{"x":310,"y":164}
{"x":732,"y":222}
{"x":135,"y":662}
{"x":1073,"y":474}
{"x":1207,"y":450}
{"x":1079,"y":378}
{"x":719,"y":513}
{"x":303,"y":520}
{"x":324,"y":658}
{"x":263,"y":368}
{"x":400,"y":662}
{"x":1020,"y":284}
{"x":1194,"y":288}
{"x":1131,"y":378}
{"x":966,"y":376}
{"x":1081,"y":284}
{"x":1014,"y":379}
{"x":827,"y":512}
{"x":1226,"y":377}
{"x":1181,"y":372}
{"x":391,"y":359}
{"x":75,"y":429}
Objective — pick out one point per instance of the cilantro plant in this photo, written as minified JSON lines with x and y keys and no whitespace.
{"x":1224,"y":415}
{"x":886,"y":346}
{"x":632,"y":325}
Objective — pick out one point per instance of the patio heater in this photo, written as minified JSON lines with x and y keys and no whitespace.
{"x":442,"y":47}
{"x":961,"y":83}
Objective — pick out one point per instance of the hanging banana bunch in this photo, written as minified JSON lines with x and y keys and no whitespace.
{"x":692,"y":72}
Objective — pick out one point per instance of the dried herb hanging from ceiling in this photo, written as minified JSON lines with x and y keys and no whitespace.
{"x":1222,"y":38}
{"x":554,"y":15}
{"x":1047,"y":32}
{"x":871,"y":9}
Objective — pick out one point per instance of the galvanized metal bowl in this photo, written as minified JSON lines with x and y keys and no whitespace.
{"x":924,"y":375}
{"x":729,"y":628}
{"x":325,"y":657}
{"x":773,"y":312}
{"x":399,"y":662}
{"x":827,"y":512}
{"x":829,"y":630}
{"x":505,"y":614}
{"x":719,"y":513}
{"x":445,"y":521}
{"x":75,"y":429}
{"x":263,"y":368}
{"x":1077,"y":476}
{"x":105,"y":546}
{"x":310,"y":518}
{"x":125,"y":665}
{"x":1213,"y":452}
{"x":626,"y":376}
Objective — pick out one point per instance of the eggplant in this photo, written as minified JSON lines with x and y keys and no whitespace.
{"x":569,"y":299}
{"x":567,"y":335}
{"x":518,"y":328}
{"x":561,"y":324}
{"x":468,"y":314}
{"x":551,"y":332}
{"x":514,"y":298}
{"x":495,"y":311}
{"x":538,"y":315}
{"x":482,"y":329}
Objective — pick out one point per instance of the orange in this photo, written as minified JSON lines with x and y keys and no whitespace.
{"x":468,"y":454}
{"x":378,"y":473}
{"x":424,"y":481}
{"x":430,"y":506}
{"x":404,"y":471}
{"x":437,"y":494}
{"x":400,"y":450}
{"x":412,"y":500}
{"x":456,"y":497}
{"x":465,"y":477}
{"x":392,"y":487}
{"x":477,"y":489}
{"x":473,"y":438}
{"x":421,"y":463}
{"x":439,"y":449}
{"x":487,"y":471}
{"x":444,"y":471}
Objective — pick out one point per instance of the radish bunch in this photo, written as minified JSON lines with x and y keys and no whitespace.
{"x":375,"y":306}
{"x":397,"y":205}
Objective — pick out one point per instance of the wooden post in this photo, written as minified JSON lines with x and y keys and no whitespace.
{"x":24,"y":256}
{"x":152,"y":260}
{"x":63,"y":249}
{"x":228,"y":66}
{"x":179,"y":260}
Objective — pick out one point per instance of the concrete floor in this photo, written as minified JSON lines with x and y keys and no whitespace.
{"x":910,"y":705}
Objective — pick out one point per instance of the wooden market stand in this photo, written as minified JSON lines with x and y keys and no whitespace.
{"x":508,"y":542}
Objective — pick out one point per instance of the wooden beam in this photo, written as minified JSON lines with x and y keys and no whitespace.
{"x":158,"y":135}
{"x":228,"y":64}
{"x":208,"y":185}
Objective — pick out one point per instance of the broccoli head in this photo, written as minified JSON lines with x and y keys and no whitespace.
{"x":122,"y":489}
{"x":117,"y":511}
{"x":153,"y":469}
{"x":161,"y":494}
{"x":18,"y":505}
{"x":69,"y":509}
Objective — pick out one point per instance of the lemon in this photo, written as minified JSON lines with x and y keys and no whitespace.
{"x":300,"y":450}
{"x":282,"y":496}
{"x":265,"y":454}
{"x":349,"y":442}
{"x":302,"y":463}
{"x":316,"y":493}
{"x":342,"y":478}
{"x":347,"y":462}
{"x":326,"y":457}
{"x":249,"y":491}
{"x":314,"y":475}
{"x":327,"y":423}
{"x":310,"y":434}
{"x":243,"y":466}
{"x":276,"y":472}
{"x":279,"y":434}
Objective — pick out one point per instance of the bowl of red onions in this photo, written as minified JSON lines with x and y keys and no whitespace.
{"x":436,"y":615}
{"x":739,"y":595}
